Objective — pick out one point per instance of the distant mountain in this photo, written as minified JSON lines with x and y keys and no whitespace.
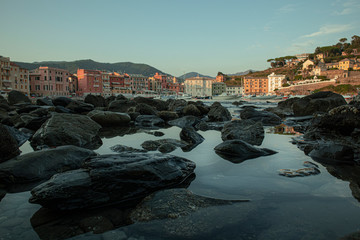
{"x":242,"y":73}
{"x":122,"y":67}
{"x":193,"y":74}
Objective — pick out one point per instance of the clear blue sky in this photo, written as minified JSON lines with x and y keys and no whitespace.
{"x":175,"y":36}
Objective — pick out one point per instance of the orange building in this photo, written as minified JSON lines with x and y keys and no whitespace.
{"x":255,"y":85}
{"x":90,"y":82}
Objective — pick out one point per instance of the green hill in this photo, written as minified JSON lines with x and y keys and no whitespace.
{"x":122,"y":67}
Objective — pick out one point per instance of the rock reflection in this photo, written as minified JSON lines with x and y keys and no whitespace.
{"x":118,"y":131}
{"x":283,"y":129}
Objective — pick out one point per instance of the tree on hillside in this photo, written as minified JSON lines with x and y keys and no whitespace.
{"x":342,"y":40}
{"x":355,"y":42}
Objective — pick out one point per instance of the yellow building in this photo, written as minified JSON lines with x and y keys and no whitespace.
{"x":345,"y":64}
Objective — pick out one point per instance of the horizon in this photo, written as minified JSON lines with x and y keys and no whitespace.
{"x":174,"y":37}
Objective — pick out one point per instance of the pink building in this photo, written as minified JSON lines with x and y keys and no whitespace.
{"x":47,"y":81}
{"x":163,"y":79}
{"x":90,"y":82}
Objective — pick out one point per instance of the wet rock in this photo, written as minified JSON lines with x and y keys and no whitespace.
{"x":238,"y":151}
{"x":205,"y":126}
{"x":191,"y":109}
{"x":166,"y":148}
{"x":149,"y":121}
{"x":187,"y":121}
{"x":61,"y":109}
{"x":95,"y":100}
{"x":145,"y":109}
{"x":62,"y":101}
{"x":17,"y":97}
{"x":317,"y":102}
{"x":2,"y":194}
{"x":80,"y":107}
{"x":331,"y":152}
{"x":112,"y":132}
{"x":219,"y":113}
{"x":41,"y":165}
{"x":20,"y":135}
{"x":42,"y":111}
{"x":32,"y":122}
{"x":167,"y":115}
{"x":27,"y":108}
{"x":267,"y":118}
{"x":46,"y":101}
{"x":156,"y":103}
{"x":311,"y":169}
{"x":246,"y":130}
{"x":68,"y":129}
{"x":109,"y":119}
{"x":189,"y":135}
{"x":9,"y":147}
{"x":110,"y":179}
{"x":122,"y":148}
{"x":153,"y":145}
{"x":121,"y":105}
{"x":176,"y":105}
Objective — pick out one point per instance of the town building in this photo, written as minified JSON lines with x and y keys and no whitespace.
{"x":346,"y":63}
{"x":255,"y":85}
{"x":117,"y":83}
{"x":73,"y":85}
{"x":90,"y":82}
{"x":199,"y":86}
{"x":218,"y":88}
{"x":303,"y":56}
{"x":162,"y":79}
{"x":308,"y":63}
{"x":275,"y":82}
{"x":154,"y":84}
{"x":105,"y":77}
{"x":48,"y":81}
{"x":175,"y":87}
{"x":139,"y":83}
{"x":234,"y":90}
{"x":332,"y":65}
{"x":5,"y":82}
{"x":19,"y":78}
{"x":220,"y":78}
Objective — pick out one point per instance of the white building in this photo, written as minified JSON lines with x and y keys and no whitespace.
{"x":199,"y":86}
{"x":234,"y":90}
{"x":275,"y":82}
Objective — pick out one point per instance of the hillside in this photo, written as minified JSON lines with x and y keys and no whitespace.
{"x":122,"y":67}
{"x":193,"y":74}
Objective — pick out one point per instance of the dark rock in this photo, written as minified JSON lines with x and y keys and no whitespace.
{"x":32,"y":122}
{"x":166,"y":148}
{"x":238,"y":151}
{"x":176,"y":105}
{"x":21,"y":136}
{"x":330,"y":152}
{"x":4,"y":103}
{"x":246,"y":130}
{"x":9,"y":147}
{"x":187,"y":121}
{"x":156,"y":103}
{"x":189,"y":135}
{"x":27,"y":108}
{"x":68,"y":129}
{"x":267,"y":118}
{"x":17,"y":97}
{"x":41,"y":112}
{"x":167,"y":115}
{"x":205,"y":126}
{"x":317,"y":102}
{"x":80,"y":107}
{"x":151,"y":145}
{"x":111,"y":179}
{"x":61,"y":109}
{"x":117,"y":131}
{"x":191,"y":109}
{"x":121,"y":105}
{"x":133,"y":115}
{"x":46,"y":101}
{"x":62,"y":101}
{"x":238,"y":103}
{"x":149,"y":121}
{"x":41,"y":165}
{"x":95,"y":100}
{"x":2,"y":194}
{"x":311,"y":169}
{"x":158,"y":134}
{"x":110,"y":119}
{"x":219,"y":113}
{"x":145,"y":109}
{"x":122,"y":148}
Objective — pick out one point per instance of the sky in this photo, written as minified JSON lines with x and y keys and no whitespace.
{"x":174,"y":36}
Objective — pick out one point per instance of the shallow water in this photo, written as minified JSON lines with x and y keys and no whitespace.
{"x":313,"y":207}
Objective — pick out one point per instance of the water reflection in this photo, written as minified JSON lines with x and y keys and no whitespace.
{"x":283,"y":129}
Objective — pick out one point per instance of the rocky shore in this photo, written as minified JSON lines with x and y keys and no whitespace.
{"x":65,"y":174}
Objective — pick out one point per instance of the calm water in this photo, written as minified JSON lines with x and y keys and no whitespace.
{"x":313,"y":207}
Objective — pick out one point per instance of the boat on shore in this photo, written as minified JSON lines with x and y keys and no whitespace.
{"x":225,"y":96}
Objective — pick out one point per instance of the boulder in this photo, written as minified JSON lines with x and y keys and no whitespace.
{"x":27,"y":108}
{"x":62,"y":101}
{"x":45,"y":101}
{"x":267,"y":118}
{"x":218,"y":113}
{"x":80,"y":107}
{"x":153,"y":145}
{"x":68,"y":129}
{"x":317,"y":102}
{"x":187,"y":121}
{"x":110,"y":179}
{"x":150,"y":145}
{"x":166,"y":148}
{"x":246,"y":130}
{"x":20,"y":135}
{"x":149,"y":121}
{"x":95,"y":100}
{"x":330,"y":152}
{"x":191,"y":109}
{"x":176,"y":105}
{"x":189,"y":135}
{"x":8,"y":145}
{"x":310,"y":169}
{"x":167,"y":115}
{"x":32,"y":122}
{"x":145,"y":109}
{"x":121,"y":105}
{"x":122,"y":148}
{"x":238,"y":151}
{"x":156,"y":103}
{"x":17,"y":97}
{"x":61,"y":109}
{"x":110,"y":119}
{"x":41,"y":165}
{"x":205,"y":126}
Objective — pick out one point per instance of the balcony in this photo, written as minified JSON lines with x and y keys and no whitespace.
{"x":96,"y":85}
{"x":6,"y":81}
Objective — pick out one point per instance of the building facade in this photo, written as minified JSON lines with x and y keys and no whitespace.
{"x":199,"y":86}
{"x":275,"y":82}
{"x":47,"y":81}
{"x":218,"y":88}
{"x":5,"y":82}
{"x":90,"y":82}
{"x":139,"y":83}
{"x":255,"y":85}
{"x":235,"y":90}
{"x":105,"y":77}
{"x":19,"y":78}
